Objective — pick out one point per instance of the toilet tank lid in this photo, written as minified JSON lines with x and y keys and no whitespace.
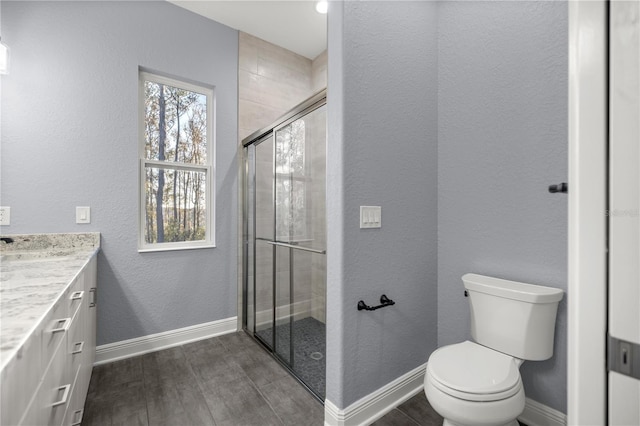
{"x":512,"y":289}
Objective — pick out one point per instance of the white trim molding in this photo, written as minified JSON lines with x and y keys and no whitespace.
{"x":370,"y":408}
{"x":378,"y":403}
{"x":154,"y":342}
{"x":536,"y":414}
{"x":587,"y":261}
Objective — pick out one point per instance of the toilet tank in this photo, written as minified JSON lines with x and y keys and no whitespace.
{"x":514,"y":318}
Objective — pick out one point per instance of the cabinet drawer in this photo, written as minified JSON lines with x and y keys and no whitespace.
{"x":20,"y":378}
{"x":76,"y":343}
{"x":76,"y":295}
{"x":90,"y":309}
{"x":54,"y":331}
{"x":55,"y":391}
{"x":33,"y":415}
{"x":73,"y":415}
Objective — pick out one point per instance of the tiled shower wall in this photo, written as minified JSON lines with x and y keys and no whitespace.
{"x":319,"y":72}
{"x":271,"y":81}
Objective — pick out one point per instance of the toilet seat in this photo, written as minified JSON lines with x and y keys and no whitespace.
{"x":473,"y":372}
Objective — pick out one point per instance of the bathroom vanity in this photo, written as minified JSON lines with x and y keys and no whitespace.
{"x":47,"y":327}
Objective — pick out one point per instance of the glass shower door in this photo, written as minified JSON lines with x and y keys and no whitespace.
{"x":264,"y":250}
{"x":300,"y":176}
{"x":285,"y":240}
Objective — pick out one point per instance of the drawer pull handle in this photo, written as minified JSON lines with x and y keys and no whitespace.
{"x":61,"y":325}
{"x":93,"y":297}
{"x":78,"y":347}
{"x":78,"y":416}
{"x":77,"y":295}
{"x":65,"y":395}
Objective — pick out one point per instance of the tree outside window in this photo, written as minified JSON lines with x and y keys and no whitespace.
{"x":291,"y":183}
{"x":176,"y":164}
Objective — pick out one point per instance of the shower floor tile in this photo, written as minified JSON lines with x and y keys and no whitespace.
{"x":309,"y":350}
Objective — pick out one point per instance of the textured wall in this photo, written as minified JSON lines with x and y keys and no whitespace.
{"x":501,"y":120}
{"x":382,"y":150}
{"x":502,"y":138}
{"x":70,"y":137}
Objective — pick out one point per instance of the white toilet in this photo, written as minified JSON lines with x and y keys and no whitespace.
{"x":478,"y":383}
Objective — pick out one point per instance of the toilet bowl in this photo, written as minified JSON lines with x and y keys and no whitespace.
{"x":469,"y":384}
{"x":479,"y":383}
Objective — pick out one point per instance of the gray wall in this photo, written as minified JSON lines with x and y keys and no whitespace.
{"x":70,"y":137}
{"x":502,"y":139}
{"x":473,"y":102}
{"x":382,"y":150}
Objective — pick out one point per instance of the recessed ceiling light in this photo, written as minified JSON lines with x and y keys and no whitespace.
{"x":322,"y":6}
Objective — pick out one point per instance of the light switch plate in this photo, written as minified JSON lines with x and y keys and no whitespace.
{"x":83,"y":214}
{"x":5,"y":215}
{"x":370,"y":216}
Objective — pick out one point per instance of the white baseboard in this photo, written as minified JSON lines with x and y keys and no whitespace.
{"x":375,"y":405}
{"x":154,"y":342}
{"x":378,"y":403}
{"x":536,"y":414}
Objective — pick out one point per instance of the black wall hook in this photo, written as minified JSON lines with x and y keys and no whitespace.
{"x":384,"y":301}
{"x":562,"y":188}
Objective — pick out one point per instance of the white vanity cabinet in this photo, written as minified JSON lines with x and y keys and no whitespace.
{"x":20,"y":377}
{"x":82,"y":347}
{"x":47,"y":383}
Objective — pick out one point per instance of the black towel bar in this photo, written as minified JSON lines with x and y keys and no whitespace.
{"x":384,"y":301}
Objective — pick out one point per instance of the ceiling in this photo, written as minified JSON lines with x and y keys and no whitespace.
{"x":293,"y":24}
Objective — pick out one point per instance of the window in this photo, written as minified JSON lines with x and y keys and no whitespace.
{"x":176,"y":164}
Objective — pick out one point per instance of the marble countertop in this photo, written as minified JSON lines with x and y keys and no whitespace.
{"x":35,"y":271}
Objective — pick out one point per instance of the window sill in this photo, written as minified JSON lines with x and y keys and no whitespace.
{"x":175,"y":248}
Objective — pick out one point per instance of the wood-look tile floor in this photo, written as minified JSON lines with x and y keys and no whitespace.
{"x":226,"y":380}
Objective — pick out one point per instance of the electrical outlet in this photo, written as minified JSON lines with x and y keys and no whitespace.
{"x":5,"y":215}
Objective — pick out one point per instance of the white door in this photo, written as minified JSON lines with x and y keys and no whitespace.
{"x":624,"y":213}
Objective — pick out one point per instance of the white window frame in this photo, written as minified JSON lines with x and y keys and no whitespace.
{"x":208,"y":167}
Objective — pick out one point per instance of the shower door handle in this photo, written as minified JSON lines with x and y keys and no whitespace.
{"x":293,"y":246}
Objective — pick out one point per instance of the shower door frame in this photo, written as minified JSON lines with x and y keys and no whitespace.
{"x":313,"y":103}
